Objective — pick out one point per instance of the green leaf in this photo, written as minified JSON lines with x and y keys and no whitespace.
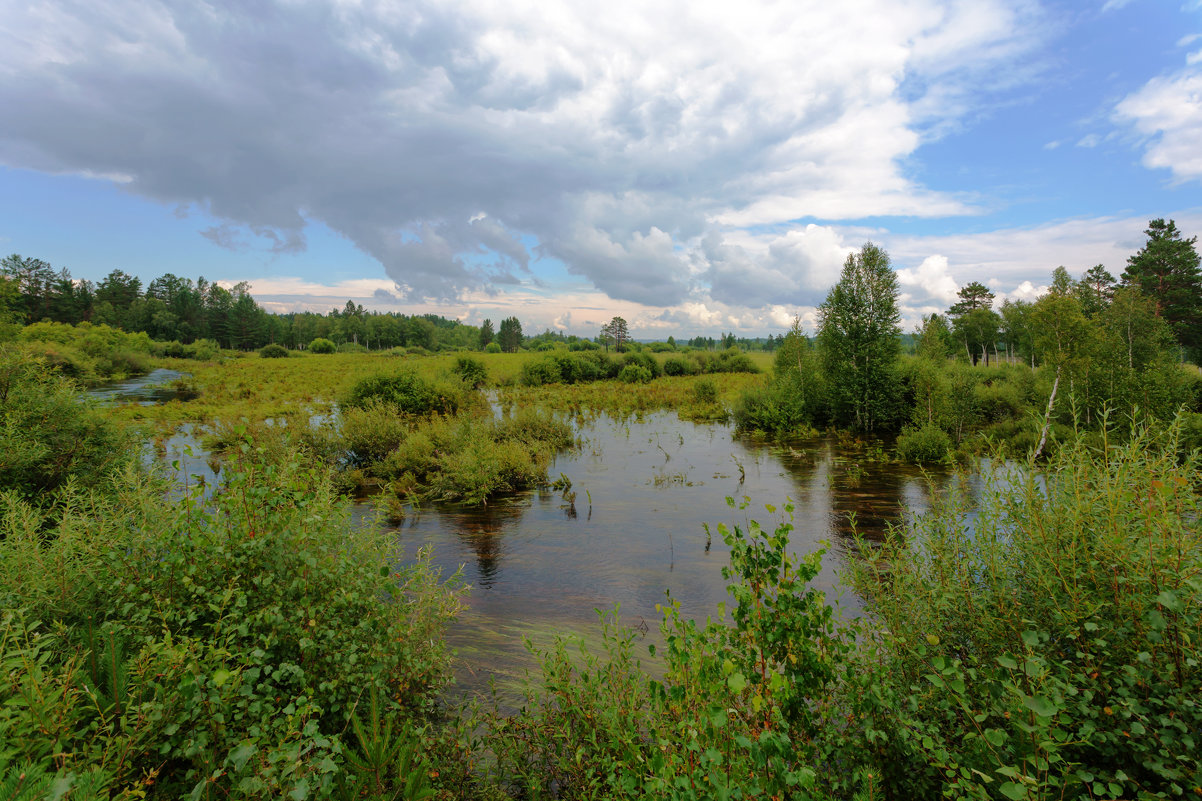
{"x":241,"y":754}
{"x":221,"y":676}
{"x":1031,"y":638}
{"x":1013,"y":790}
{"x":1007,"y":662}
{"x":1040,"y":706}
{"x":1169,"y":600}
{"x":736,"y":682}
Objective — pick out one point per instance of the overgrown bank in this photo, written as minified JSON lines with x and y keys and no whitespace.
{"x":163,"y":650}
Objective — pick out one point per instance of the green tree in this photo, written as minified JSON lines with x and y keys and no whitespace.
{"x":973,"y":296}
{"x":615,"y":330}
{"x":510,"y":335}
{"x":486,"y":333}
{"x":1095,"y":290}
{"x":975,"y":323}
{"x":858,"y":334}
{"x":1166,"y":269}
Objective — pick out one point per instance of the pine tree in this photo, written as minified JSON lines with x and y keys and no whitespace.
{"x":1166,"y":269}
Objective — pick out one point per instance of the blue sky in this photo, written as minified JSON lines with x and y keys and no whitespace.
{"x":694,"y":167}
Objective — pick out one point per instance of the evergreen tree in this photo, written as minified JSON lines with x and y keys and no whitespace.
{"x":486,"y":333}
{"x":510,"y":335}
{"x":858,"y":333}
{"x":1166,"y":269}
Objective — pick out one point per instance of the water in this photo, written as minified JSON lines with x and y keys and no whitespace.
{"x":148,"y":390}
{"x":539,"y":565}
{"x":545,"y":563}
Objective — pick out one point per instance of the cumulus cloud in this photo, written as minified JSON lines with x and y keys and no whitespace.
{"x":1167,"y":113}
{"x":457,"y":142}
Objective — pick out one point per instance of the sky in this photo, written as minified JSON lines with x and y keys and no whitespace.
{"x":695,"y":167}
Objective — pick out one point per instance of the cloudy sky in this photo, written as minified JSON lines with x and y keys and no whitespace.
{"x":695,"y":167}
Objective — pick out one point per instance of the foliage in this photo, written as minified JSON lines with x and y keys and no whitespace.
{"x":1167,"y":269}
{"x":615,"y":331}
{"x":634,"y":373}
{"x":273,"y":351}
{"x":492,"y":347}
{"x":471,"y":459}
{"x":407,"y":392}
{"x":1049,"y":649}
{"x":49,"y":436}
{"x":733,"y":715}
{"x":207,"y":649}
{"x":322,"y":345}
{"x":858,"y":336}
{"x":928,"y":443}
{"x":471,"y":371}
{"x":509,"y":337}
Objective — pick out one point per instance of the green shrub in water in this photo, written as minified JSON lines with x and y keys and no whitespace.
{"x":930,"y":443}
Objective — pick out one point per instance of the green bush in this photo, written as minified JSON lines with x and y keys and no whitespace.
{"x":471,"y":371}
{"x":678,"y":365}
{"x":775,"y":408}
{"x":645,"y":360}
{"x":492,"y":347}
{"x":273,"y":351}
{"x":705,"y":391}
{"x":634,"y":373}
{"x":407,"y":391}
{"x":567,"y":368}
{"x":929,"y":443}
{"x":1049,"y":648}
{"x":322,"y":345}
{"x":49,"y":434}
{"x":224,"y":649}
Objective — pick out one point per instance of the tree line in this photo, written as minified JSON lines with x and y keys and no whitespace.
{"x":1110,"y":345}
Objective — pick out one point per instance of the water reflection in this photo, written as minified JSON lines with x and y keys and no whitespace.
{"x":627,"y":524}
{"x":643,"y":491}
{"x":157,"y":386}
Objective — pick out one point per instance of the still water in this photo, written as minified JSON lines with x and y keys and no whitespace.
{"x":630,"y":527}
{"x":644,"y":491}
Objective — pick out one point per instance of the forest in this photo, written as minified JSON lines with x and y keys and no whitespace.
{"x":1032,"y":632}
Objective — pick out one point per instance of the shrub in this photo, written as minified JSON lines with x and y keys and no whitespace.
{"x":772,"y":409}
{"x":1045,"y":646}
{"x":49,"y":434}
{"x":644,"y":360}
{"x":202,"y":350}
{"x":678,"y":365}
{"x":471,"y":371}
{"x":492,"y":347}
{"x":930,"y":443}
{"x":705,"y":391}
{"x":407,"y":392}
{"x":273,"y":351}
{"x":223,"y":648}
{"x":634,"y":373}
{"x":322,"y":345}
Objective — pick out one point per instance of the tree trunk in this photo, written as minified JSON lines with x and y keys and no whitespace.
{"x":1047,"y":419}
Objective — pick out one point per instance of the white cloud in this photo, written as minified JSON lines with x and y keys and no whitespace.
{"x":1167,"y":113}
{"x":455,"y":142}
{"x":932,"y":277}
